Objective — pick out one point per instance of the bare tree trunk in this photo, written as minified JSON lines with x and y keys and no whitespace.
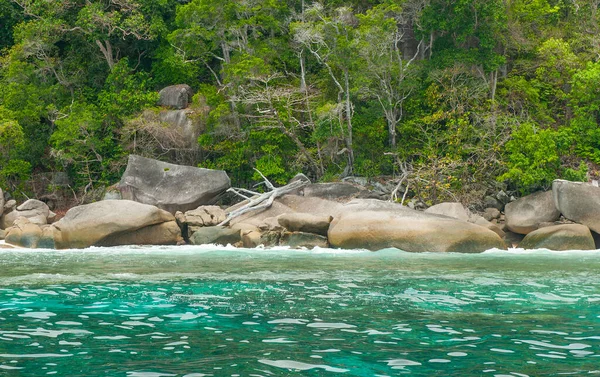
{"x":349,"y":123}
{"x":302,"y":73}
{"x":106,"y":50}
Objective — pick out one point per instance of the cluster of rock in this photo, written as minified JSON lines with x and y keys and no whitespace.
{"x":164,"y":204}
{"x":566,"y":218}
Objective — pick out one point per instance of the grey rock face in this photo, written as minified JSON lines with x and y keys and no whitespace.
{"x":525,"y":214}
{"x":579,"y":202}
{"x":560,"y":237}
{"x":180,"y":121}
{"x":176,"y":96}
{"x":171,"y":187}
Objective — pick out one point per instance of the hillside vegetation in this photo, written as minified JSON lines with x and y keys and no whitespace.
{"x":460,"y":96}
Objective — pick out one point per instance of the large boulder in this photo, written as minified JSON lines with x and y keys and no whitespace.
{"x":167,"y":233}
{"x":450,"y":209}
{"x":171,"y":187}
{"x":560,"y":237}
{"x":176,"y":96}
{"x":579,"y":202}
{"x":35,"y":210}
{"x":30,"y":235}
{"x":527,"y":213}
{"x":305,"y":222}
{"x":377,"y":225}
{"x":91,"y":224}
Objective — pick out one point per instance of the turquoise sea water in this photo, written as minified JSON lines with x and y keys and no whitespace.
{"x":151,"y":312}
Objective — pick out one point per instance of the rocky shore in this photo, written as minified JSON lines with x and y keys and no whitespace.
{"x":157,"y":203}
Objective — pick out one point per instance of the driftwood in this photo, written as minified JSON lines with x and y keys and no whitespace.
{"x":260,"y":201}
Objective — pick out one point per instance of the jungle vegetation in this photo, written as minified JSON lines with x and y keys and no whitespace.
{"x":460,"y":96}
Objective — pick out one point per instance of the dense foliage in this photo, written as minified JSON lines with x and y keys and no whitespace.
{"x":461,"y":96}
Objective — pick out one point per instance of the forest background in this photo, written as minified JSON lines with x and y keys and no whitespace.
{"x":461,"y":97}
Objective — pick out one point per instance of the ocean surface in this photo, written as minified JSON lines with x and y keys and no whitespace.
{"x":208,"y":311}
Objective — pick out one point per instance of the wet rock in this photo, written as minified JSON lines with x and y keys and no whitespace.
{"x":217,"y":235}
{"x":167,"y":233}
{"x":560,"y":237}
{"x":299,"y":239}
{"x":24,"y":233}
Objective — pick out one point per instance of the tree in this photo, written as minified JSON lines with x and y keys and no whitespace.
{"x":330,"y":39}
{"x":385,"y":70}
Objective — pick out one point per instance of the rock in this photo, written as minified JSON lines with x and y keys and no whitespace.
{"x":579,"y":202}
{"x":24,"y":233}
{"x":491,"y":214}
{"x":171,"y":187}
{"x":332,"y":191}
{"x":167,"y":233}
{"x":504,"y":198}
{"x":525,"y":214}
{"x":374,"y":226}
{"x":513,"y":239}
{"x":7,"y":220}
{"x":2,"y":234}
{"x":10,"y":205}
{"x":90,"y":224}
{"x":491,"y":202}
{"x":300,"y":239}
{"x":183,"y":124}
{"x":270,"y":238}
{"x":478,"y":220}
{"x":560,"y":237}
{"x":250,"y":234}
{"x":360,"y":181}
{"x":205,"y":216}
{"x":1,"y":202}
{"x":36,"y":211}
{"x":176,"y":96}
{"x":454,"y":210}
{"x":218,"y":235}
{"x":112,"y":193}
{"x":304,"y":222}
